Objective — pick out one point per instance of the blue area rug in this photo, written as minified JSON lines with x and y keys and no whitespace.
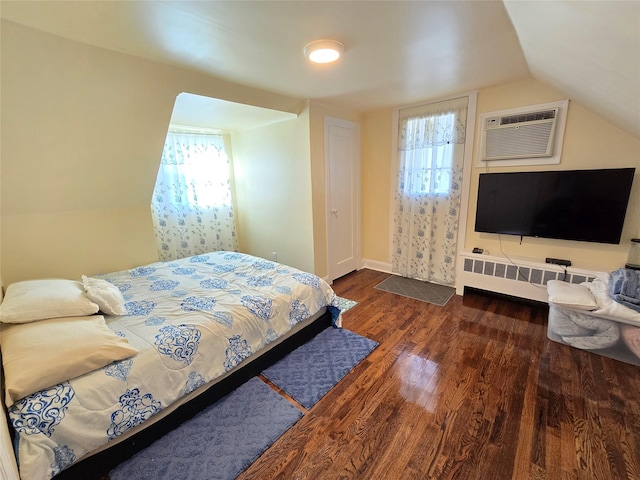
{"x":311,"y":370}
{"x":218,"y":443}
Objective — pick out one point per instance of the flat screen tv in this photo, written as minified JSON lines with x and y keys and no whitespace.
{"x":583,"y":205}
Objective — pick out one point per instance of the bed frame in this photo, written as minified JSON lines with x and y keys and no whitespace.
{"x":99,"y":464}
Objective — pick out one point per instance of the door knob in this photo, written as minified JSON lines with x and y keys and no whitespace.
{"x":333,"y":210}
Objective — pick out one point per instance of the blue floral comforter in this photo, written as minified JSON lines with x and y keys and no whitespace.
{"x":192,"y":320}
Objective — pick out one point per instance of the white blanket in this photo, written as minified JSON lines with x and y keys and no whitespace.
{"x":607,"y":306}
{"x":582,"y":330}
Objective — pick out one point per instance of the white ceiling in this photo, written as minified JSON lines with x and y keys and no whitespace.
{"x":396,"y":52}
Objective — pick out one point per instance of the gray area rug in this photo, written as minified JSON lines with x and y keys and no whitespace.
{"x":218,"y":443}
{"x":311,"y":370}
{"x":417,"y":289}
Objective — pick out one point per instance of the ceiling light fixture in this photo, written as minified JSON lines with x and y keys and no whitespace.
{"x":323,"y":51}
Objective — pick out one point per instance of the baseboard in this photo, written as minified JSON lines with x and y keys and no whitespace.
{"x":376,"y":265}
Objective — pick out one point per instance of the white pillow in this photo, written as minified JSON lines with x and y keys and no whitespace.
{"x":571,"y":295}
{"x":38,"y":355}
{"x":33,"y":300}
{"x":105,"y":294}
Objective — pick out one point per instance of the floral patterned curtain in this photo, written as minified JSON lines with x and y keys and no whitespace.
{"x":191,"y":205}
{"x":428,"y":195}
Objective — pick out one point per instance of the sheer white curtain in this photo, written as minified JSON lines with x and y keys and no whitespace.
{"x":428,"y":194}
{"x":191,"y":206}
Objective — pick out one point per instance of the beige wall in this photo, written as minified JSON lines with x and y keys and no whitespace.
{"x":82,"y":135}
{"x":376,"y":184}
{"x":589,"y":142}
{"x":273,"y":191}
{"x":281,"y":188}
{"x":317,"y":113}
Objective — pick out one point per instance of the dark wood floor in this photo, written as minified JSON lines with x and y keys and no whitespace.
{"x":472,"y":390}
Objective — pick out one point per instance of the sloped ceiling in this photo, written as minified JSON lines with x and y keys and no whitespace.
{"x":396,"y":52}
{"x":589,"y":50}
{"x":217,"y":114}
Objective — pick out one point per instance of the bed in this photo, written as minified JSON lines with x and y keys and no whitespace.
{"x":187,"y":332}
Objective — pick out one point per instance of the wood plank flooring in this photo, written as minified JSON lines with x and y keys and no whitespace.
{"x":472,"y":390}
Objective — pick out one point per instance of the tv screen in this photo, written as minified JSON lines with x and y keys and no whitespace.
{"x":583,"y":205}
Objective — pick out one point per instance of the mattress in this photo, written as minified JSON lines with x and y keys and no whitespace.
{"x":192,"y":321}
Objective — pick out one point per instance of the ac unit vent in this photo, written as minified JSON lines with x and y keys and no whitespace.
{"x":528,"y":117}
{"x":523,"y":135}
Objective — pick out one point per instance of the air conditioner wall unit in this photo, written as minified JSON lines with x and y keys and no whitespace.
{"x":528,"y":133}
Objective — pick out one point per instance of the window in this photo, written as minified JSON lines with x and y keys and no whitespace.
{"x":427,"y":143}
{"x":192,"y":207}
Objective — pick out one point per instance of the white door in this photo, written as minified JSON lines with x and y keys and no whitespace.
{"x":342,"y":157}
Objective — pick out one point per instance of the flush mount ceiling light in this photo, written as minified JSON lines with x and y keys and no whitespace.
{"x":323,"y":51}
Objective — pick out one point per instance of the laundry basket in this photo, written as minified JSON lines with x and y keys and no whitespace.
{"x":572,"y":323}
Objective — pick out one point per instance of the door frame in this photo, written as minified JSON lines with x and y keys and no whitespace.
{"x":332,"y":121}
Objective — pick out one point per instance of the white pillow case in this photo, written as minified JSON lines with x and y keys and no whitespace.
{"x":32,"y":300}
{"x":571,"y":295}
{"x":105,"y":294}
{"x":38,"y":355}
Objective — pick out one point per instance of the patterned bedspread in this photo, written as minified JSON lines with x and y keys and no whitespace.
{"x":192,"y":320}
